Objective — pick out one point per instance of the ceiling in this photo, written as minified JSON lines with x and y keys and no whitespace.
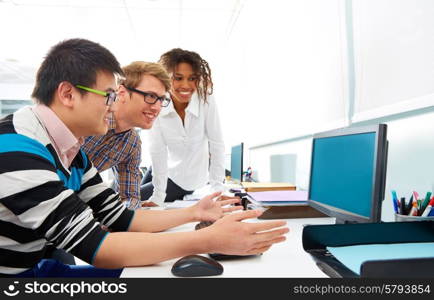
{"x":131,"y":29}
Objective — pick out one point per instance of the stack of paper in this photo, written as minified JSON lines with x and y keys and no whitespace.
{"x":278,"y":198}
{"x":267,"y":186}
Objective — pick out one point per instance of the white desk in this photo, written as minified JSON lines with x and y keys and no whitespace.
{"x":287,"y":259}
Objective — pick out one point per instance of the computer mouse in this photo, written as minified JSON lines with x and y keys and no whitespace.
{"x":195,"y":266}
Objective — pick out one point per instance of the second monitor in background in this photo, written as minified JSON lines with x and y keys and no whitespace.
{"x":237,"y":163}
{"x":348,"y":173}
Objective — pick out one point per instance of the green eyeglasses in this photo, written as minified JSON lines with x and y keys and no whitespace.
{"x":111,"y":96}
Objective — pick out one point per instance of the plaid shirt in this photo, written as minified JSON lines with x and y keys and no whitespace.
{"x":121,"y":152}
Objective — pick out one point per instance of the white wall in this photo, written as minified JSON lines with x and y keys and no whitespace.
{"x":283,"y":71}
{"x":260,"y":160}
{"x":393,"y":55}
{"x":15,"y":91}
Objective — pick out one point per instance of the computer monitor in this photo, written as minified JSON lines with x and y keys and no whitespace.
{"x":237,"y":163}
{"x":348,"y":173}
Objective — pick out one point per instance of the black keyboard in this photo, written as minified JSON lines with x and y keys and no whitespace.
{"x":218,"y":256}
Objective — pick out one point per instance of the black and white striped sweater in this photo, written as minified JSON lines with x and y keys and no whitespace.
{"x":42,"y":203}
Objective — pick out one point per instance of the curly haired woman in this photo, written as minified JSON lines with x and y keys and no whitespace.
{"x":186,"y":143}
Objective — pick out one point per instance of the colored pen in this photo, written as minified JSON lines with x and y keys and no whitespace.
{"x":413,"y":211}
{"x":425,"y":202}
{"x":394,"y":195}
{"x":410,"y":204}
{"x":416,"y":195}
{"x":416,"y":199}
{"x":428,"y":209}
{"x":403,"y":206}
{"x":395,"y":202}
{"x":431,"y":214}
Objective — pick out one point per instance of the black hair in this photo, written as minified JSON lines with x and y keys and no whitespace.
{"x":172,"y":58}
{"x":76,"y":61}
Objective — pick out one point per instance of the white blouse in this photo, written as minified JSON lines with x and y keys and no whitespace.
{"x":191,"y":154}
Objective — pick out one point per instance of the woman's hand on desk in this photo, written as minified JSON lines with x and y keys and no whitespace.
{"x":231,"y":236}
{"x":209,"y":209}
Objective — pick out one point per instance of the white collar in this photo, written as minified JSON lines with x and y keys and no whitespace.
{"x":193,"y":107}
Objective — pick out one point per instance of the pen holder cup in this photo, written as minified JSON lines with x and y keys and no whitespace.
{"x":405,"y":218}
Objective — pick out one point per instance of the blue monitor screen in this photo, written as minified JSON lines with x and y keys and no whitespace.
{"x":237,"y":162}
{"x":342,"y":172}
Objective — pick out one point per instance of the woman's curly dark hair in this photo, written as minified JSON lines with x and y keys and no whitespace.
{"x":200,"y":67}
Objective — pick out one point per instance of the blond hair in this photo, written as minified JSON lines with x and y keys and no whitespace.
{"x":134,"y":72}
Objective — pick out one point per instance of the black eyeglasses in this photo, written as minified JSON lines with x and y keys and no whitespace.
{"x":151,"y":98}
{"x":110,"y":96}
